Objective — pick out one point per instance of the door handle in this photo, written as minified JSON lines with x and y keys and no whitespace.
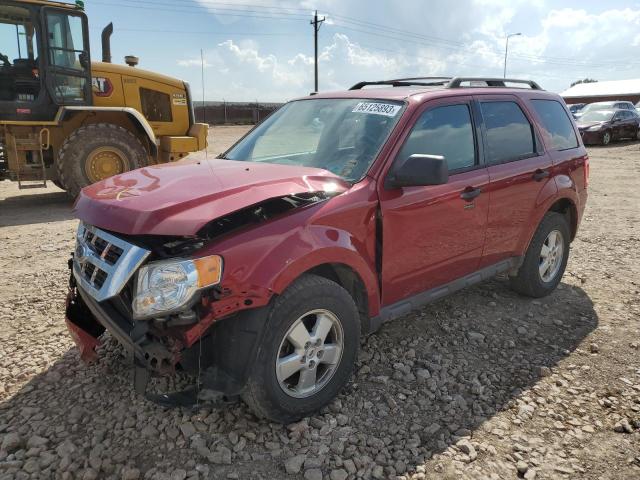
{"x":470,"y":193}
{"x":540,"y":175}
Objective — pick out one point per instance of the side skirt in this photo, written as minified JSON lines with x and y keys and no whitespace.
{"x":407,"y":305}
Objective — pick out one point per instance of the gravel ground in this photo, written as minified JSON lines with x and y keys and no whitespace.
{"x":484,"y":384}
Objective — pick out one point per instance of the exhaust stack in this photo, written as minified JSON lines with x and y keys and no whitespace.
{"x":106,"y":43}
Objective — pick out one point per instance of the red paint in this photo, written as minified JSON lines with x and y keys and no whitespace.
{"x":86,"y":343}
{"x":430,"y":235}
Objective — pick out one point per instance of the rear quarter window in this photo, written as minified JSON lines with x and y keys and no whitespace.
{"x":556,"y":122}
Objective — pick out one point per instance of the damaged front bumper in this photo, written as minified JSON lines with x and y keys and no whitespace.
{"x":219,"y":361}
{"x":87,"y":319}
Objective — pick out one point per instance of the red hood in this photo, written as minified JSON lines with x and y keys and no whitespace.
{"x":180,"y":198}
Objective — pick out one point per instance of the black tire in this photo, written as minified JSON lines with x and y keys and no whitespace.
{"x":263,"y":393}
{"x":528,"y":280}
{"x":75,"y":152}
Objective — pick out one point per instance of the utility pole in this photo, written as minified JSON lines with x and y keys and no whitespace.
{"x":506,"y":48}
{"x":316,"y":22}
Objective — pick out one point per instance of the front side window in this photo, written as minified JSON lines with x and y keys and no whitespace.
{"x":445,"y":131}
{"x":66,"y":42}
{"x":557,"y":124}
{"x":509,"y":134}
{"x":19,"y":73}
{"x":342,"y":136}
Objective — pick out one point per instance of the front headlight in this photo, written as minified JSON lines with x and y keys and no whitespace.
{"x":594,"y":128}
{"x":168,"y":285}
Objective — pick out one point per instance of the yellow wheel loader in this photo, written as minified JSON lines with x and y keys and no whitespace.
{"x":72,"y":121}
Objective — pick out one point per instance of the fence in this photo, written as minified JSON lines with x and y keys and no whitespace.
{"x":220,"y":113}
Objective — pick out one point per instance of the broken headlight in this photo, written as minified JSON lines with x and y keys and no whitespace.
{"x":166,"y":286}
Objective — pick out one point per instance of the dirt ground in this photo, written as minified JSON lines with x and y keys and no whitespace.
{"x":483,"y":384}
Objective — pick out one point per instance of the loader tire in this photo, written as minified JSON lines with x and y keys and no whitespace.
{"x":95,"y":152}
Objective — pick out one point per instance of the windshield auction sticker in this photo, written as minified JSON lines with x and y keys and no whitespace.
{"x":386,"y":109}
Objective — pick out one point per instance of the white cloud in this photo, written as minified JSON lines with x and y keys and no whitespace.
{"x":194,"y":62}
{"x":557,"y":45}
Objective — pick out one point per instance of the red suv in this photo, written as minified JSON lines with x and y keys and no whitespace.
{"x":259,"y":271}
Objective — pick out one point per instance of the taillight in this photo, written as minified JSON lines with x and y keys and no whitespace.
{"x":586,"y":172}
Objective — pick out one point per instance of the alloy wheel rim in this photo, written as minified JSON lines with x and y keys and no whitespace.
{"x":309,"y":353}
{"x":551,"y":256}
{"x":105,"y":162}
{"x":606,"y":138}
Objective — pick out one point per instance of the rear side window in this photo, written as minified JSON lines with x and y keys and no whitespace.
{"x":557,"y":124}
{"x":446,"y":131}
{"x":509,"y":133}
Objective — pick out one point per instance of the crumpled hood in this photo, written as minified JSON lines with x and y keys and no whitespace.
{"x":180,"y":198}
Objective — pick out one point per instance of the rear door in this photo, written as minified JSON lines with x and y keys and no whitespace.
{"x":518,"y":170}
{"x":431,"y":234}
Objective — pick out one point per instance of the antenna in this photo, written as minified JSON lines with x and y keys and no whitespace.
{"x":204,"y":109}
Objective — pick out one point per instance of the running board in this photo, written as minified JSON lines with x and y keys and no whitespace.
{"x":407,"y":305}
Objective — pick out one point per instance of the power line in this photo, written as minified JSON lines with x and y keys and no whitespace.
{"x":194,"y":32}
{"x":366,"y":27}
{"x":198,"y":10}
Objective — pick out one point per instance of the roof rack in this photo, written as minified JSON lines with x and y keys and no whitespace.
{"x":405,"y":82}
{"x":491,"y":82}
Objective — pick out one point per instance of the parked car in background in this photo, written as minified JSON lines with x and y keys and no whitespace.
{"x":614,"y":105}
{"x":604,"y":126}
{"x":575,"y":107}
{"x":259,"y":271}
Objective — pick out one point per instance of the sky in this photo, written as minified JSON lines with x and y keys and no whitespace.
{"x":262,"y":50}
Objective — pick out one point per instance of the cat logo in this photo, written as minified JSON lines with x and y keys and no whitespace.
{"x":101,"y":86}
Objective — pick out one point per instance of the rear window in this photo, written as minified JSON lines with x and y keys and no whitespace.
{"x":509,"y":133}
{"x":557,"y":124}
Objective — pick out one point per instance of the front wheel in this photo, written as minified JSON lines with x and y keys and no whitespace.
{"x":95,"y":152}
{"x":606,"y":138}
{"x":546,"y":258}
{"x":307,"y":353}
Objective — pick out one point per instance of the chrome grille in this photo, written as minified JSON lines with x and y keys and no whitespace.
{"x":104,"y":263}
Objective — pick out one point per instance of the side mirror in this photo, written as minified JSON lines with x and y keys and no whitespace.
{"x":419,"y":170}
{"x":84,"y":59}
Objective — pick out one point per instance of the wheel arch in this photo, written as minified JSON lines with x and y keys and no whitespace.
{"x":140,"y":123}
{"x":567,"y":207}
{"x":352,"y":282}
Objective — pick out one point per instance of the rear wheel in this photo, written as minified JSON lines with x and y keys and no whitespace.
{"x":95,"y":152}
{"x":308,"y":351}
{"x":546,"y":258}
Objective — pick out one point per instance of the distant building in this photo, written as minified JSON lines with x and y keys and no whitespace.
{"x":603,"y":91}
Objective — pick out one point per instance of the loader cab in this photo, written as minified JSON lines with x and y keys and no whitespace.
{"x":44,"y":60}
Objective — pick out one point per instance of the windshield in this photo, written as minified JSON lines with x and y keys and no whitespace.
{"x":19,"y":72}
{"x":339,"y":135}
{"x":593,"y":107}
{"x":597,"y":116}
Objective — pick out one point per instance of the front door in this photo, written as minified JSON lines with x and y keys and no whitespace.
{"x":432,"y":235}
{"x":68,"y":66}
